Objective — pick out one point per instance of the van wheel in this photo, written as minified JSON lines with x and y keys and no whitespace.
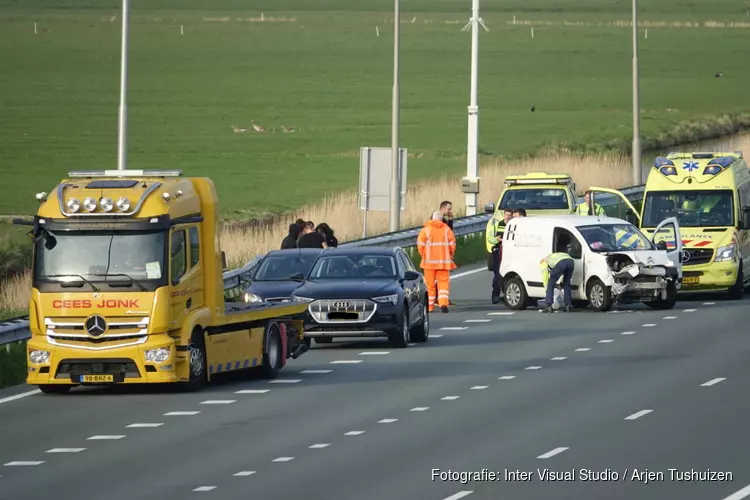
{"x":272,"y":359}
{"x":196,"y":355}
{"x":516,"y":297}
{"x":667,"y":303}
{"x":735,"y":293}
{"x":600,"y":295}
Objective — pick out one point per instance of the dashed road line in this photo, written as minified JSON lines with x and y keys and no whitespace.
{"x":608,"y":341}
{"x":320,"y":446}
{"x":453,"y":328}
{"x":435,"y":336}
{"x":559,"y":358}
{"x":690,"y":310}
{"x":205,"y":488}
{"x":739,"y":495}
{"x":219,"y":402}
{"x":252,"y":391}
{"x":19,"y":396}
{"x":65,"y":450}
{"x":504,"y":313}
{"x":709,"y":303}
{"x":627,"y":333}
{"x":477,"y":320}
{"x":244,"y":473}
{"x":669,"y":317}
{"x":181,"y":413}
{"x":315,"y":371}
{"x":104,"y":438}
{"x":552,"y":453}
{"x":533,"y":368}
{"x":420,"y":408}
{"x":144,"y":425}
{"x":23,"y":463}
{"x":458,"y":495}
{"x":713,"y":382}
{"x":354,"y":433}
{"x":583,"y":349}
{"x":638,"y":414}
{"x":479,"y":387}
{"x":449,"y":398}
{"x":387,"y":420}
{"x":285,"y":381}
{"x":283,"y":459}
{"x":374,"y":353}
{"x":346,"y":362}
{"x":648,"y":325}
{"x":506,"y":377}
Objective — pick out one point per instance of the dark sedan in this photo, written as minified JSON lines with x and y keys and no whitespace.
{"x":271,"y":281}
{"x":365,"y":292}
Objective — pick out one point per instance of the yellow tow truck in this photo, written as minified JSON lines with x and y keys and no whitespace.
{"x":128,"y":288}
{"x":539,"y":193}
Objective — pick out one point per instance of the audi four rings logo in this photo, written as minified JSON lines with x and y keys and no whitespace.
{"x":96,"y":325}
{"x":342,"y":304}
{"x":685,"y":256}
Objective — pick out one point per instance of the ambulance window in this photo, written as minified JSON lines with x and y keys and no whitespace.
{"x":178,"y":255}
{"x":195,"y":249}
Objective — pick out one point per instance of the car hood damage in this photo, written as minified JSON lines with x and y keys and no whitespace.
{"x":641,"y":272}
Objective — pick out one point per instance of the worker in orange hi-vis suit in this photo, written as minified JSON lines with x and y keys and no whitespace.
{"x":437,"y":246}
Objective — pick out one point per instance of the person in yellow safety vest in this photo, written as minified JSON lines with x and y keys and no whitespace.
{"x":494,"y":245}
{"x":555,"y":266}
{"x":585,"y":208}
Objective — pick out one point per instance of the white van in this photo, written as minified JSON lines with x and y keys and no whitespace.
{"x":607,"y":271}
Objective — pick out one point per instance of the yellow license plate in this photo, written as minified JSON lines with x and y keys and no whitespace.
{"x":97,"y":379}
{"x":692,"y":280}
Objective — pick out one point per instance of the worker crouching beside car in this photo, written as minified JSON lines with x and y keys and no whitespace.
{"x":437,"y":247}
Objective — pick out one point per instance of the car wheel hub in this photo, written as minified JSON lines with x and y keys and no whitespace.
{"x":513,"y":293}
{"x":196,"y":361}
{"x":597,"y":295}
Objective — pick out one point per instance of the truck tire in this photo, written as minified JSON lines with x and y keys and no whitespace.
{"x":738,"y":289}
{"x":55,"y":388}
{"x":422,"y":331}
{"x":599,"y":295}
{"x":271,"y":365}
{"x":399,"y":336}
{"x":516,"y":297}
{"x":670,"y":301}
{"x":196,"y":354}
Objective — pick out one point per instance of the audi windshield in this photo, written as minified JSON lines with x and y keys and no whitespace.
{"x":354,"y":267}
{"x":693,"y":208}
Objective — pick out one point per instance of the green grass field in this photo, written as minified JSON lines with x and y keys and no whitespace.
{"x":318,"y":66}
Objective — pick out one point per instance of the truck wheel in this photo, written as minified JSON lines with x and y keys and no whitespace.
{"x":600,"y":295}
{"x":55,"y":388}
{"x":196,"y":354}
{"x":422,"y":332}
{"x":515,"y":294}
{"x":272,"y":359}
{"x":667,"y":303}
{"x":735,"y":293}
{"x":399,"y":337}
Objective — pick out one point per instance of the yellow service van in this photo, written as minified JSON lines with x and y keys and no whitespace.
{"x":539,"y":193}
{"x":709,"y":194}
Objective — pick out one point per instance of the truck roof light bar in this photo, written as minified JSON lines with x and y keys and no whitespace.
{"x":125,"y":173}
{"x":511,"y":182}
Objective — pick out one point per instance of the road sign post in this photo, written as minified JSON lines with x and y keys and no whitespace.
{"x":375,"y":181}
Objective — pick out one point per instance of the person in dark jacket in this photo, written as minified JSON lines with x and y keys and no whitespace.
{"x":311,"y":238}
{"x":446,"y":208}
{"x":290,"y":240}
{"x":326,"y":231}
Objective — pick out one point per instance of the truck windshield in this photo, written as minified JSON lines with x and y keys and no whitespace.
{"x":691,"y":208}
{"x":615,"y":238}
{"x":535,"y":199}
{"x":100,"y":256}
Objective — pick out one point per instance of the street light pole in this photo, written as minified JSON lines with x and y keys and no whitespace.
{"x":395,"y":211}
{"x":123,"y":118}
{"x":636,"y":154}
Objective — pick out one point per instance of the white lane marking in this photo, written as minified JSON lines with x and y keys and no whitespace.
{"x":285,"y":381}
{"x":104,"y":438}
{"x":627,"y":333}
{"x":455,"y":328}
{"x":458,"y":495}
{"x":65,"y":450}
{"x":533,"y":368}
{"x":420,"y":408}
{"x":477,"y":320}
{"x":649,"y":325}
{"x":252,"y":391}
{"x":504,"y":313}
{"x":467,"y":273}
{"x":638,"y":414}
{"x":583,"y":349}
{"x":19,"y":396}
{"x":559,"y":358}
{"x":387,"y":420}
{"x":669,"y":317}
{"x":283,"y":459}
{"x":435,"y":336}
{"x":181,"y":413}
{"x":144,"y":425}
{"x":709,"y":303}
{"x":739,"y":495}
{"x":606,"y":341}
{"x":205,"y":488}
{"x":449,"y":398}
{"x":479,"y":387}
{"x":320,"y":445}
{"x":374,"y":353}
{"x":346,"y":362}
{"x":22,"y":463}
{"x":552,"y":453}
{"x":689,"y":310}
{"x":219,"y":402}
{"x":354,"y":433}
{"x":713,"y":382}
{"x":244,"y":473}
{"x":316,"y":371}
{"x":506,"y":377}
{"x":412,"y":345}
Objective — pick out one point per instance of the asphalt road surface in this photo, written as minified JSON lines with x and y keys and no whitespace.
{"x":630,"y":404}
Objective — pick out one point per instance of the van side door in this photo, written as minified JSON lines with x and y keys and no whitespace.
{"x":561,"y":238}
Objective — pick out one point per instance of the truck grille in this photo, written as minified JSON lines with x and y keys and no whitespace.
{"x":120,"y":368}
{"x":120,"y":332}
{"x":342,"y":310}
{"x":698,"y":256}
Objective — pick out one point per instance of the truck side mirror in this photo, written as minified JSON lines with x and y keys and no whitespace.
{"x":662,"y":245}
{"x":223,"y":261}
{"x":489,"y":208}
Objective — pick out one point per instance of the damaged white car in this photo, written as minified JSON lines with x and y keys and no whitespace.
{"x":615,"y":263}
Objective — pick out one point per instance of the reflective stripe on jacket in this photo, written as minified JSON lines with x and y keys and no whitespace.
{"x":583,"y":209}
{"x":625,"y":239}
{"x":437,"y":246}
{"x":494,"y":233}
{"x":549,"y":262}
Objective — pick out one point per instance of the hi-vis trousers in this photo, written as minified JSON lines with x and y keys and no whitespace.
{"x":442,"y":291}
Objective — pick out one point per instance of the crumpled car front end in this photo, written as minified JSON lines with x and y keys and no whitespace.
{"x":638,"y":281}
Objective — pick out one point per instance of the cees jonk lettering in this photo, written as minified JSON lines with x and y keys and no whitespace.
{"x":88,"y":304}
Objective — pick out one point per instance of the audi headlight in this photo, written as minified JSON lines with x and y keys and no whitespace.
{"x":724,"y":254}
{"x":393,"y":299}
{"x":73,"y":205}
{"x":39,"y":357}
{"x":123,"y":204}
{"x":297,"y":298}
{"x":89,"y":204}
{"x":251,"y":297}
{"x":106,"y":204}
{"x":158,"y":355}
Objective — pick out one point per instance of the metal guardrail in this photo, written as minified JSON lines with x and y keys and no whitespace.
{"x":17,"y":329}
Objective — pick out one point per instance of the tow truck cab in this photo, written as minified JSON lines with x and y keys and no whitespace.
{"x":127,"y":287}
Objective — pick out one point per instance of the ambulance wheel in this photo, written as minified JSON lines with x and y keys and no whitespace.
{"x":600,"y":295}
{"x":55,"y":388}
{"x":196,"y":355}
{"x":735,"y":293}
{"x":515,"y":294}
{"x":667,"y":303}
{"x":272,"y":358}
